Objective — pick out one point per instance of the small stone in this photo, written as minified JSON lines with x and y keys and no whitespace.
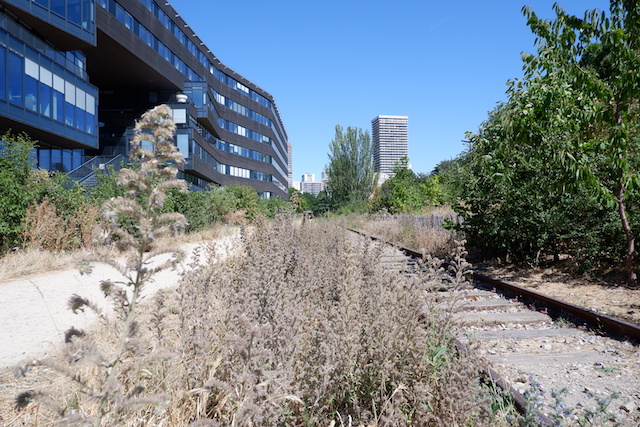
{"x":629,"y":406}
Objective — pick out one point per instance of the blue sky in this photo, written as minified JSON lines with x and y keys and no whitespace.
{"x":329,"y":62}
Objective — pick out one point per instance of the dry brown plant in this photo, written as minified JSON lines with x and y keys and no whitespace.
{"x":45,"y":229}
{"x":304,"y":327}
{"x":407,"y":231}
{"x":307,"y":328}
{"x":26,"y":262}
{"x":237,"y":217}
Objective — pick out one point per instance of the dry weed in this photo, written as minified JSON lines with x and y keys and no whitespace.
{"x":45,"y":229}
{"x":111,"y":380}
{"x":303,"y":327}
{"x":306,"y":328}
{"x":411,"y":232}
{"x":22,"y":263}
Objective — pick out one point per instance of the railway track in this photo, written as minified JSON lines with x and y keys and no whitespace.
{"x":540,"y":349}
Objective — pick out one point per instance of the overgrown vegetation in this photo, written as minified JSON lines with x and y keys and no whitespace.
{"x":405,"y":192}
{"x":323,"y":335}
{"x":421,"y":233}
{"x":134,"y":224}
{"x":554,"y":170}
{"x":45,"y":210}
{"x":29,"y":193}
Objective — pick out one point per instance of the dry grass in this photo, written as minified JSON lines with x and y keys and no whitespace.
{"x":413,"y":234}
{"x":22,"y":263}
{"x":47,"y":230}
{"x":305,"y":327}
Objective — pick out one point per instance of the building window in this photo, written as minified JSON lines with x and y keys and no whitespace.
{"x":70,"y":99}
{"x":58,"y":98}
{"x":15,"y":74}
{"x":3,"y":70}
{"x":119,"y":13}
{"x":45,"y":100}
{"x":182,"y":142}
{"x":80,"y":109}
{"x":57,"y":7}
{"x":87,"y":13}
{"x":73,"y":11}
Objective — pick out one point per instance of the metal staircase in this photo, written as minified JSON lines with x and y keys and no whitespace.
{"x":85,"y":174}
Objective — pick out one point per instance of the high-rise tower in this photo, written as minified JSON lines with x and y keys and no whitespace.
{"x":390,"y":141}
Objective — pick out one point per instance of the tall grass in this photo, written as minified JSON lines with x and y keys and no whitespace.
{"x":303,"y":327}
{"x":412,"y":232}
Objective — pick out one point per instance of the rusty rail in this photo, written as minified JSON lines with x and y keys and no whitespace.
{"x":579,"y":315}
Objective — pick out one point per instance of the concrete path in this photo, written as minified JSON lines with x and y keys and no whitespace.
{"x":34,"y":314}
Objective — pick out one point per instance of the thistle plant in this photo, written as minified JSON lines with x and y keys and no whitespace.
{"x":133,"y":223}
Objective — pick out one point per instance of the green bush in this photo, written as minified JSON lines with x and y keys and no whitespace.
{"x":17,"y":189}
{"x":270,"y":207}
{"x":203,"y":208}
{"x":24,"y":186}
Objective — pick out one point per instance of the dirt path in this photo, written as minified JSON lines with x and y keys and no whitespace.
{"x":34,"y":313}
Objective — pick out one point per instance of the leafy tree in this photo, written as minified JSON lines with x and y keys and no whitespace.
{"x":450,"y":174}
{"x":271,"y":206}
{"x":400,"y":193}
{"x":350,"y":170}
{"x":246,"y":198}
{"x":510,"y":194}
{"x":583,"y":86}
{"x":430,"y":189}
{"x":194,"y":205}
{"x":406,"y":192}
{"x":319,"y":204}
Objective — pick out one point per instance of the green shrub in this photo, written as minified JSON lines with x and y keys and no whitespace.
{"x":17,"y":190}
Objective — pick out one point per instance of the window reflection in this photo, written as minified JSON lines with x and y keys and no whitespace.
{"x":57,"y":6}
{"x":3,"y":66}
{"x":73,"y":11}
{"x":15,"y":75}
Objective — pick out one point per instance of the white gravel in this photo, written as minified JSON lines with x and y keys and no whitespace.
{"x":34,"y":314}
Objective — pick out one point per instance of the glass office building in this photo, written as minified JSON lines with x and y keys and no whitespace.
{"x":78,"y":73}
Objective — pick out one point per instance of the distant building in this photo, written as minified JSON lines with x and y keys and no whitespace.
{"x":310,"y":185}
{"x":390,"y":142}
{"x":290,"y":165}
